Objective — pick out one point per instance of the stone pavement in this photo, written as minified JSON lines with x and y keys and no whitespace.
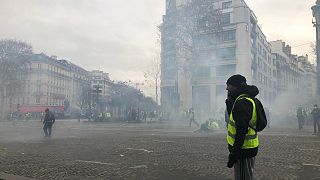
{"x":147,"y":151}
{"x":4,"y":176}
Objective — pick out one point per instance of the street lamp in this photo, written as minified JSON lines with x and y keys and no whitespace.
{"x":316,"y":23}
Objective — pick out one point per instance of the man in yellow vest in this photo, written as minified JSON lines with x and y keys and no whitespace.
{"x":242,"y":138}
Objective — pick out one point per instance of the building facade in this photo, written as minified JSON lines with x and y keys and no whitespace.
{"x":197,"y":77}
{"x":50,"y":83}
{"x":101,"y":88}
{"x":309,"y":81}
{"x":294,"y":73}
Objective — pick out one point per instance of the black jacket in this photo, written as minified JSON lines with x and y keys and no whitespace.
{"x":49,"y":119}
{"x":242,"y":114}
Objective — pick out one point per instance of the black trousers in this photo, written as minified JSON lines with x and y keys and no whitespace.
{"x":316,"y":122}
{"x":193,"y":121}
{"x":301,"y":123}
{"x":47,"y":128}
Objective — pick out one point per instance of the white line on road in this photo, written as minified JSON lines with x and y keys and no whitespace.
{"x":309,"y":150}
{"x":140,"y":166}
{"x":140,"y":150}
{"x":163,"y":141}
{"x":288,"y":135}
{"x":95,"y":162}
{"x":316,"y":165}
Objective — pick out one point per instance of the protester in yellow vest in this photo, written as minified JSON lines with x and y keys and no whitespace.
{"x":242,"y":139}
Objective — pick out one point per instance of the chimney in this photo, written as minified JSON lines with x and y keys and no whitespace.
{"x":54,"y":57}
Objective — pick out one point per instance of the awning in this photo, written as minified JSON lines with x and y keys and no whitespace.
{"x":39,"y":109}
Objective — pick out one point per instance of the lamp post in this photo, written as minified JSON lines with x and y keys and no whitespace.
{"x":316,"y":23}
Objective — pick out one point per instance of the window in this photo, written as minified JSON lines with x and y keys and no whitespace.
{"x":226,"y":53}
{"x":220,"y":90}
{"x":38,"y":99}
{"x":169,"y":74}
{"x":259,"y":62}
{"x":228,"y":35}
{"x":226,"y":70}
{"x":225,"y":19}
{"x":200,"y":96}
{"x":254,"y":73}
{"x":226,"y":5}
{"x":202,"y":72}
{"x":39,"y":66}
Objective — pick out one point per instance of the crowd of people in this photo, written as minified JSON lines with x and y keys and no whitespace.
{"x":309,"y":116}
{"x":137,"y":115}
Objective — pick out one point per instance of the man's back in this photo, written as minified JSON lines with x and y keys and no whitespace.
{"x":49,"y":118}
{"x":300,"y":114}
{"x":316,"y":113}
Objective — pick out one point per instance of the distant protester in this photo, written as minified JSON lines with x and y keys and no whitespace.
{"x":48,"y":122}
{"x":301,"y":116}
{"x":316,"y":119}
{"x":191,"y":118}
{"x":208,"y":126}
{"x":242,"y":137}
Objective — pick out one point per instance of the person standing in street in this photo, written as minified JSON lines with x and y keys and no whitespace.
{"x":268,"y":114}
{"x":242,"y":138}
{"x":300,"y":117}
{"x":48,"y":122}
{"x":316,"y":118}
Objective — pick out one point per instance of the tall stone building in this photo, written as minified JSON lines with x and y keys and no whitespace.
{"x":294,"y":73}
{"x":309,"y":81}
{"x":196,"y":64}
{"x":50,"y":83}
{"x":101,"y":88}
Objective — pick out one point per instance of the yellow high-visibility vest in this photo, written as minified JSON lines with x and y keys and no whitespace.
{"x":251,"y":139}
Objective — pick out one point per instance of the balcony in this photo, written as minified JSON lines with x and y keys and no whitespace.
{"x":57,"y":96}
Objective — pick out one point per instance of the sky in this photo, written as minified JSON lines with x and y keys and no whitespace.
{"x":121,"y":36}
{"x":288,"y":20}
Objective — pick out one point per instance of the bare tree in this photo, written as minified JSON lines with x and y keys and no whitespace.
{"x":152,"y":76}
{"x":197,"y":18}
{"x":192,"y":23}
{"x":84,"y":96}
{"x":14,"y":57}
{"x":188,"y":32}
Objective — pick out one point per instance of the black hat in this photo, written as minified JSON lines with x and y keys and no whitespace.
{"x":236,"y":80}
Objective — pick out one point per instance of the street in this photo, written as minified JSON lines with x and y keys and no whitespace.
{"x":158,"y":151}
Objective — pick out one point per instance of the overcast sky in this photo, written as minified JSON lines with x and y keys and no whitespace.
{"x":120,"y":36}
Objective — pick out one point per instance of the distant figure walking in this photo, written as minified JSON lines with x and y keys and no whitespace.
{"x":316,"y":118}
{"x":301,"y":115}
{"x":268,"y":114}
{"x":191,"y":118}
{"x":48,"y":122}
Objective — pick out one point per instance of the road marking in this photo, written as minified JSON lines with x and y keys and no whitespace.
{"x":163,"y":141}
{"x":316,"y":165}
{"x":140,"y":166}
{"x":140,"y":150}
{"x":309,"y":150}
{"x":288,"y":135}
{"x":95,"y":162}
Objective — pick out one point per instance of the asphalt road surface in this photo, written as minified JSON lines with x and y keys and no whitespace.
{"x":158,"y":151}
